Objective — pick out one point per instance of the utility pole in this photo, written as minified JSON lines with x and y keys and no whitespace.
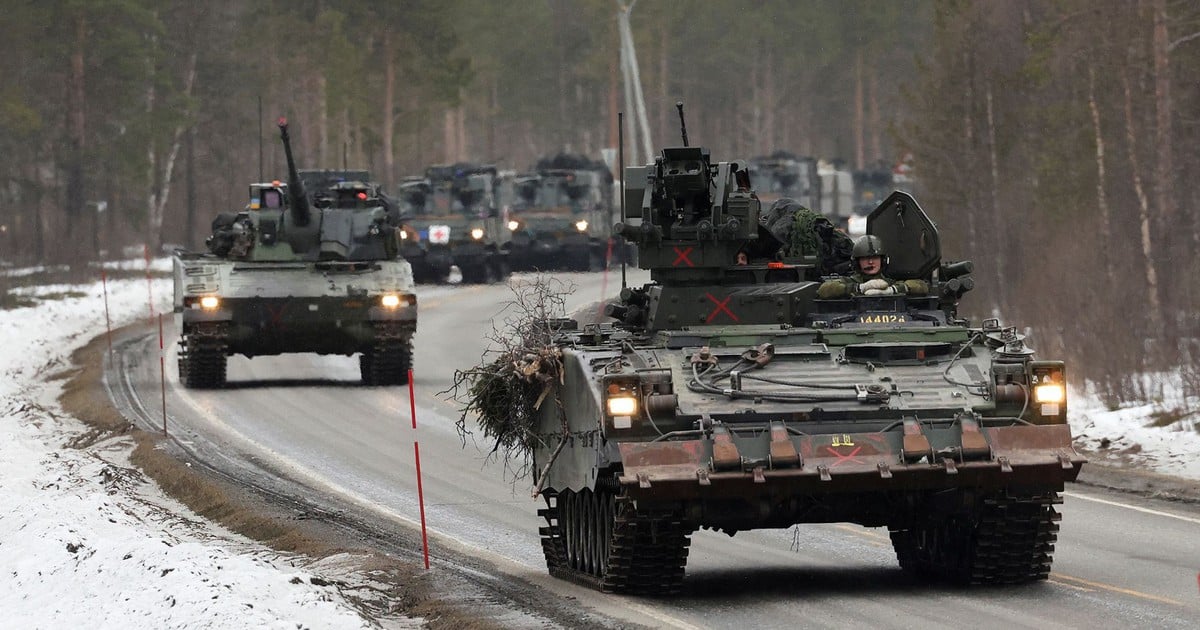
{"x":634,"y":101}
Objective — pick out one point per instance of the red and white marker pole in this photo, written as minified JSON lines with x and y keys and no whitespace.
{"x":412,"y":404}
{"x":149,"y":286}
{"x":162,"y":373}
{"x":107,"y":319}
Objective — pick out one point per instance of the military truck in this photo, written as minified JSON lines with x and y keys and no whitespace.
{"x":295,"y":272}
{"x":727,"y":396}
{"x":561,"y":215}
{"x":453,"y":224}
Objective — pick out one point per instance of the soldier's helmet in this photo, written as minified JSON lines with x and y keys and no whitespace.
{"x":869,"y":245}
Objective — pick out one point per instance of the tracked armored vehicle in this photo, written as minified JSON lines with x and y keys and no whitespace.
{"x":452,"y":221}
{"x":561,"y":216}
{"x":298,"y":272}
{"x":729,"y":397}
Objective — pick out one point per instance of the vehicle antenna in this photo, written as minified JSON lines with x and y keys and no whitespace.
{"x":260,"y":139}
{"x":682,"y":122}
{"x":621,"y":173}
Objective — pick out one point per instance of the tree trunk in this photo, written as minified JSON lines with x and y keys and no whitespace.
{"x":1101,"y":175}
{"x":76,"y":197}
{"x":874,"y":124}
{"x":189,"y":224}
{"x":1164,"y":165}
{"x":448,"y":136}
{"x":389,"y":108}
{"x":1001,"y":252}
{"x":859,"y":159}
{"x":161,"y":187}
{"x":323,"y":123}
{"x":1153,"y":301}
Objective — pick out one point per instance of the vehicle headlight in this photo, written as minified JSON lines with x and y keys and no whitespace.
{"x":622,"y":406}
{"x":210,"y":302}
{"x":1049,"y":393}
{"x":513,"y":225}
{"x":390,"y":300}
{"x":581,"y":225}
{"x":403,"y":235}
{"x":477,"y":233}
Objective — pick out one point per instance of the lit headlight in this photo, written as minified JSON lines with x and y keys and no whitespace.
{"x":477,"y":233}
{"x":622,"y":406}
{"x":403,"y":235}
{"x":513,"y":225}
{"x":581,"y":225}
{"x":390,"y":301}
{"x":1049,"y":393}
{"x":209,"y":302}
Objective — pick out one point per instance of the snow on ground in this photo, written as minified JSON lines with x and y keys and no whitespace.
{"x":85,"y":540}
{"x":1128,"y":435}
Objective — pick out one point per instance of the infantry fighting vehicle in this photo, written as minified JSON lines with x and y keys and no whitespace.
{"x":298,"y":272}
{"x":728,"y":397}
{"x":453,"y":223}
{"x":782,"y":174}
{"x":561,"y":216}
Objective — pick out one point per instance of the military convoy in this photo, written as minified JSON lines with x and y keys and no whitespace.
{"x":310,"y":266}
{"x":726,"y":396}
{"x":453,"y":224}
{"x":561,"y":215}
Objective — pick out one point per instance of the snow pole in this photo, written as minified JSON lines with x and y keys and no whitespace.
{"x":149,"y":286}
{"x":162,"y":373}
{"x":412,"y":405}
{"x":107,"y":319}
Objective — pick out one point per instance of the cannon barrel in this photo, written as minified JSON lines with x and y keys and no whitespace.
{"x":301,"y":213}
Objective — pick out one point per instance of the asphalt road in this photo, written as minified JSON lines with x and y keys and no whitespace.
{"x":1122,"y":561}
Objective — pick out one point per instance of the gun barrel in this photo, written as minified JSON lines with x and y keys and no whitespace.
{"x":949,"y":271}
{"x":301,"y":213}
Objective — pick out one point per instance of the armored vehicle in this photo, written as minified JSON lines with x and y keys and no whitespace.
{"x":453,"y":220}
{"x":783,"y":174}
{"x":729,"y":397}
{"x":298,"y":272}
{"x":561,"y":216}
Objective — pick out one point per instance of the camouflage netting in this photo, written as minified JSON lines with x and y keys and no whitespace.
{"x":804,"y":232}
{"x":519,"y":373}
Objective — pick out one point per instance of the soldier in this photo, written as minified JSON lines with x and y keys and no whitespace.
{"x":868,"y":259}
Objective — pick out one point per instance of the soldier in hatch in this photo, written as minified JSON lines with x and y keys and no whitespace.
{"x":869,"y":259}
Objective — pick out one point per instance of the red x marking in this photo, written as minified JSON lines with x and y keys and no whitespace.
{"x":722,"y":306}
{"x":849,"y":457}
{"x":683,"y":255}
{"x":276,"y":316}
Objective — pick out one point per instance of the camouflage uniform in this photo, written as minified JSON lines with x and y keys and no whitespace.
{"x":859,"y":283}
{"x":849,"y":285}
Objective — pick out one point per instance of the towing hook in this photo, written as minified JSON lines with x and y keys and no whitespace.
{"x":761,"y":354}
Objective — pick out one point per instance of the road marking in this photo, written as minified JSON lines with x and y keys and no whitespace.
{"x":1135,"y":508}
{"x":1118,"y":589}
{"x":1069,"y":585}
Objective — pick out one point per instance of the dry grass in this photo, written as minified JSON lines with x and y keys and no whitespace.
{"x":403,"y":587}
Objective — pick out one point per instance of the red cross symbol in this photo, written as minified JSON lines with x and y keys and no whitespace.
{"x":683,"y":255}
{"x":722,"y":306}
{"x":849,"y":457}
{"x":439,"y":234}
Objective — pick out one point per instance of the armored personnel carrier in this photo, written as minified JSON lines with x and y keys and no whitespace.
{"x":783,"y":174}
{"x":298,"y":272}
{"x":729,"y":397}
{"x":561,"y":216}
{"x":452,"y":221}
